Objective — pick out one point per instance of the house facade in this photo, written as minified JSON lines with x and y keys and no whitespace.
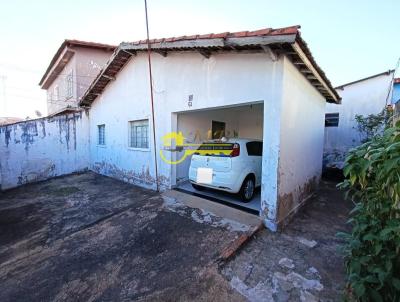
{"x":362,"y":97}
{"x":262,"y":84}
{"x":74,"y":66}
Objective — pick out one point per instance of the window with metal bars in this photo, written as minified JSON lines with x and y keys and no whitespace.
{"x":101,"y":138}
{"x":69,"y":85}
{"x":56,"y":93}
{"x":331,"y":119}
{"x":139,"y":134}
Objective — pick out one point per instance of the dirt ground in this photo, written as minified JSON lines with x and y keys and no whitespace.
{"x":91,"y":238}
{"x":301,"y":263}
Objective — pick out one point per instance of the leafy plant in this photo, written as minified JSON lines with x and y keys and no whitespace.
{"x":372,"y":249}
{"x":373,"y":124}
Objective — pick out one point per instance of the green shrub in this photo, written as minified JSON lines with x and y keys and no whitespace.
{"x":374,"y":124}
{"x":372,"y":249}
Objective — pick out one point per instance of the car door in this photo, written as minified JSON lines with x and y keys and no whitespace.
{"x":254,"y":151}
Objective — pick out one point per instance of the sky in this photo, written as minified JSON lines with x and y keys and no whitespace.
{"x":349,"y":39}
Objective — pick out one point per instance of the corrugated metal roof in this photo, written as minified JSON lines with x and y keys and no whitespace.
{"x":281,"y":41}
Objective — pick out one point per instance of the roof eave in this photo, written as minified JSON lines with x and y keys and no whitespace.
{"x":317,"y":76}
{"x":69,"y":44}
{"x":56,"y":67}
{"x":388,"y":72}
{"x":300,"y":50}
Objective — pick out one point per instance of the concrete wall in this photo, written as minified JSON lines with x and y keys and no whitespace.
{"x":85,"y":65}
{"x":40,"y":149}
{"x":243,"y":121}
{"x":365,"y":97}
{"x":301,"y":141}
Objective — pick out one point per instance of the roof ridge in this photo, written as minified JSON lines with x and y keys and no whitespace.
{"x":89,"y":43}
{"x":238,"y":34}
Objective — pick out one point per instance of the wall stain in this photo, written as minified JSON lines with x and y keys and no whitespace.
{"x":16,"y":170}
{"x":65,"y":129}
{"x":334,"y":159}
{"x":290,"y":203}
{"x":29,"y":132}
{"x":43,"y":128}
{"x":35,"y":176}
{"x":139,"y":178}
{"x":7,"y":134}
{"x":16,"y":141}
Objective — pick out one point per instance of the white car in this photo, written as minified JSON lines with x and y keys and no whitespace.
{"x":234,"y":166}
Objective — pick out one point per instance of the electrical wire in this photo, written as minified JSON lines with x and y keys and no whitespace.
{"x":41,"y":72}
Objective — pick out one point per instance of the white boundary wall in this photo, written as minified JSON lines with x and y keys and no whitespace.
{"x":39,"y":149}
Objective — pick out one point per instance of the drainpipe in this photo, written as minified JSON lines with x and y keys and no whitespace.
{"x":151,"y":95}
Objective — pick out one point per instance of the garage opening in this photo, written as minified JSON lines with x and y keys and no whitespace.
{"x":228,"y":161}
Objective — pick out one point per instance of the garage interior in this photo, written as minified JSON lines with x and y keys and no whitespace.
{"x":244,"y":121}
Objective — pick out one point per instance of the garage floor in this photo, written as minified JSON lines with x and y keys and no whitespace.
{"x":225,"y":197}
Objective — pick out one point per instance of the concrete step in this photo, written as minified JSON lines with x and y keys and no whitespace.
{"x":215,"y":208}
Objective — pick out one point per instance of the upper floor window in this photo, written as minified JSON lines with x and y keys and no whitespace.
{"x":139,"y":134}
{"x":101,"y":134}
{"x":56,"y":93}
{"x":69,"y":88}
{"x":331,"y":119}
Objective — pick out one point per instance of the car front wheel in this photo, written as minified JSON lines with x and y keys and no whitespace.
{"x":247,"y":189}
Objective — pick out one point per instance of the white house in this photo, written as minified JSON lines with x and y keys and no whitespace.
{"x":260,"y":84}
{"x":362,"y":97}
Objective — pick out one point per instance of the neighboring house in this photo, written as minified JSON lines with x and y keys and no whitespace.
{"x":362,"y":97}
{"x":9,"y":120}
{"x":260,"y":84}
{"x":72,"y":69}
{"x":396,"y":99}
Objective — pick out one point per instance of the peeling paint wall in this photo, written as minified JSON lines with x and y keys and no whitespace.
{"x":43,"y":148}
{"x":301,"y":142}
{"x":365,"y":98}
